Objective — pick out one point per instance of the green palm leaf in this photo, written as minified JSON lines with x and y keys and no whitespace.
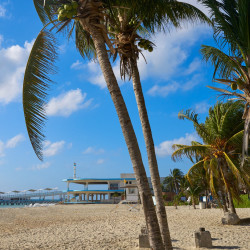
{"x":190,"y":151}
{"x":35,"y":86}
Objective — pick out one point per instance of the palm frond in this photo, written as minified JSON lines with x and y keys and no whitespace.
{"x":190,"y":151}
{"x":84,"y":42}
{"x":196,"y":165}
{"x":35,"y":86}
{"x":46,"y":9}
{"x":224,"y":64}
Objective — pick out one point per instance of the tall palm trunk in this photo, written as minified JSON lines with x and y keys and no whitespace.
{"x":130,"y":137}
{"x":153,"y":166}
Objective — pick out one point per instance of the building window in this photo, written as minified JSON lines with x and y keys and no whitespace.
{"x":113,"y":186}
{"x":131,"y":190}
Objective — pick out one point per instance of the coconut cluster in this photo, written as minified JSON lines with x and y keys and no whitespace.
{"x":239,"y":84}
{"x":145,"y":44}
{"x":67,"y":11}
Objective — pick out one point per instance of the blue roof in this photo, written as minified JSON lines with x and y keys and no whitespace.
{"x":110,"y":191}
{"x":96,"y":179}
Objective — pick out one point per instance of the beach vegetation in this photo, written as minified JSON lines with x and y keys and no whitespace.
{"x":219,"y":152}
{"x":243,"y":203}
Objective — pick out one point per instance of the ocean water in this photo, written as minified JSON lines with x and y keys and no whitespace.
{"x":11,"y":206}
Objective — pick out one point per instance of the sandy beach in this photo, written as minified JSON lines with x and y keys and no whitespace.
{"x":110,"y":227}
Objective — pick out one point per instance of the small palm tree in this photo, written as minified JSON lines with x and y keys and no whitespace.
{"x":173,"y":181}
{"x":232,"y":59}
{"x":222,"y":135}
{"x":193,"y":192}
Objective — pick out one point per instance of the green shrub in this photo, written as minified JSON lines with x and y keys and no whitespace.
{"x":245,"y":203}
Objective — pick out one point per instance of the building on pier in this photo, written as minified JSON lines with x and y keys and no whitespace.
{"x":115,"y":189}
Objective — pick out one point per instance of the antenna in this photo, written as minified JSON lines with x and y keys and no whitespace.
{"x":74,"y":170}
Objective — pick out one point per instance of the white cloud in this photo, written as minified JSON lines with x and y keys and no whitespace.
{"x":193,"y":66}
{"x":2,"y":11}
{"x":202,"y":107}
{"x":12,"y":143}
{"x":41,"y":166}
{"x":13,"y":61}
{"x":51,"y":149}
{"x":164,"y":90}
{"x":158,"y":90}
{"x":95,"y":74}
{"x":78,"y":65}
{"x":92,"y":150}
{"x":171,"y":52}
{"x":100,"y":161}
{"x":165,"y":148}
{"x":1,"y":149}
{"x":67,"y":103}
{"x":198,"y":5}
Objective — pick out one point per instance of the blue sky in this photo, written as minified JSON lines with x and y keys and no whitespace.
{"x":82,"y":124}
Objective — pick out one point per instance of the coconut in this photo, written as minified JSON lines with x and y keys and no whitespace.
{"x":61,"y":18}
{"x":140,"y":44}
{"x":62,"y":13}
{"x":67,"y":7}
{"x":240,"y":84}
{"x":150,"y":49}
{"x":234,"y":86}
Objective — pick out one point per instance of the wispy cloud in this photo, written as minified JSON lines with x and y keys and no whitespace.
{"x":165,"y":148}
{"x":159,"y":90}
{"x":100,"y":161}
{"x":41,"y":166}
{"x":13,"y":142}
{"x":93,"y":150}
{"x":2,"y":11}
{"x":202,"y":107}
{"x":51,"y":149}
{"x":1,"y":149}
{"x":67,"y":103}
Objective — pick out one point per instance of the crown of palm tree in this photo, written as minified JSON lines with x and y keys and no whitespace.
{"x":89,"y":13}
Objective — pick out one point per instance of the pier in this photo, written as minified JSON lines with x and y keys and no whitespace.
{"x":32,"y":196}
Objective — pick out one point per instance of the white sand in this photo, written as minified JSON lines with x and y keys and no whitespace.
{"x":107,"y":227}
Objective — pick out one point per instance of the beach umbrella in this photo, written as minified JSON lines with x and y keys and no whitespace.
{"x":32,"y":190}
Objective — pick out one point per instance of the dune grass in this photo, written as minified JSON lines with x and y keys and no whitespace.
{"x":245,"y":202}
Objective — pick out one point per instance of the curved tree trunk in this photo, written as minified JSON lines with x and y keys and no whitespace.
{"x":153,"y":166}
{"x":130,"y":138}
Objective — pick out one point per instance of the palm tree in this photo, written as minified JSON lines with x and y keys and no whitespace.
{"x":194,"y":192}
{"x":128,"y":28}
{"x":174,"y":180}
{"x":232,"y":59}
{"x":91,"y":40}
{"x":222,"y":135}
